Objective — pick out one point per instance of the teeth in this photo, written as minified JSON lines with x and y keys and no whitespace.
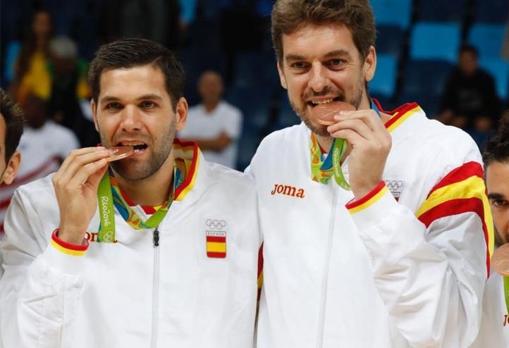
{"x":319,"y":102}
{"x":131,"y":144}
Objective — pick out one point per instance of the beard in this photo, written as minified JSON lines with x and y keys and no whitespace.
{"x":160,"y":150}
{"x":500,"y":239}
{"x":303,"y":112}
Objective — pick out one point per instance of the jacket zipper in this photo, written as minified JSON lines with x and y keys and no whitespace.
{"x":326,"y":267}
{"x":155,"y":290}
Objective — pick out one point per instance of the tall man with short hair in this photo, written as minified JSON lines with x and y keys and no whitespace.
{"x":139,"y":242}
{"x":375,"y":223}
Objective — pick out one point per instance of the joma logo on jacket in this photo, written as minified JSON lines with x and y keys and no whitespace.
{"x":287,"y":190}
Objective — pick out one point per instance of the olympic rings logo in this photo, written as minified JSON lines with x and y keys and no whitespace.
{"x":215,"y":224}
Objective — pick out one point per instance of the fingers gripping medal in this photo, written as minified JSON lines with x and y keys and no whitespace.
{"x":326,"y":113}
{"x":105,"y":199}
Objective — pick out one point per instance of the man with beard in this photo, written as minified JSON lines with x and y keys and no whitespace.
{"x":375,"y":223}
{"x":495,"y":324}
{"x":138,"y":242}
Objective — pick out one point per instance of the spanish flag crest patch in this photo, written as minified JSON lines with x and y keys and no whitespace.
{"x":216,"y":239}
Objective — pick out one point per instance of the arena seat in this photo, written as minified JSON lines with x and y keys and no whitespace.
{"x":433,"y":40}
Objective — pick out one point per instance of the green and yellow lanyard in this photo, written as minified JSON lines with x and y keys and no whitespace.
{"x":323,"y":169}
{"x":107,"y":214}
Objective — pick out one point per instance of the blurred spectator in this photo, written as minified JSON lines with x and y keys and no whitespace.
{"x":470,"y":99}
{"x":31,"y":65}
{"x":68,"y":89}
{"x":214,"y":124}
{"x":43,"y":147}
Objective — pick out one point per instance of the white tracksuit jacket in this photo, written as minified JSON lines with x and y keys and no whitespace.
{"x":130,"y":293}
{"x":494,"y":332}
{"x":405,"y":269}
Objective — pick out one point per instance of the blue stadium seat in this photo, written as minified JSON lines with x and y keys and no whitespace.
{"x":392,"y":12}
{"x":499,"y":69}
{"x":286,"y":117}
{"x":255,"y":106}
{"x":248,"y":143}
{"x":390,"y":40}
{"x":424,"y":81}
{"x":435,"y":41}
{"x":495,"y":11}
{"x":451,"y":10}
{"x":253,"y":68}
{"x":384,"y":82}
{"x":487,"y":38}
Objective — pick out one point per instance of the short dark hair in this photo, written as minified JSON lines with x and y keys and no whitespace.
{"x":128,"y":53}
{"x":13,"y":116}
{"x":497,"y":148}
{"x":466,"y":48}
{"x":289,"y":16}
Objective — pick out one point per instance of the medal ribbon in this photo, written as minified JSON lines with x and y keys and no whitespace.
{"x":107,"y":214}
{"x":322,"y":170}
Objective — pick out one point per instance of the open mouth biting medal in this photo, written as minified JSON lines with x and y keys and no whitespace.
{"x":120,"y":152}
{"x":326,"y":113}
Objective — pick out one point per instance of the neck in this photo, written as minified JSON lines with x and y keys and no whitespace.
{"x":325,"y":142}
{"x":40,"y":43}
{"x":153,"y":190}
{"x":210,"y":106}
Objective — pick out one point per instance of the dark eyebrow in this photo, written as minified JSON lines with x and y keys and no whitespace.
{"x":335,"y":53}
{"x":291,"y":57}
{"x":496,"y":196}
{"x":150,"y":96}
{"x":108,"y":99}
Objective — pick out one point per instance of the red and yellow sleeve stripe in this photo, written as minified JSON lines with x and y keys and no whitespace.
{"x":368,"y":200}
{"x":460,"y":191}
{"x":68,"y":248}
{"x":260,"y":270}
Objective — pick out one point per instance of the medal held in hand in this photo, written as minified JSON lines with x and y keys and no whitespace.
{"x":331,"y":166}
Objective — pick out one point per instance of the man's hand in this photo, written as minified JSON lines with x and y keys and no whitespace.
{"x":369,"y":142}
{"x":76,"y":184}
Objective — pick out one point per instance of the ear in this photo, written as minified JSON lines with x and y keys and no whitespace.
{"x":11,"y":169}
{"x":282,"y":77}
{"x":181,"y":113}
{"x":93,"y":105}
{"x":370,"y":64}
